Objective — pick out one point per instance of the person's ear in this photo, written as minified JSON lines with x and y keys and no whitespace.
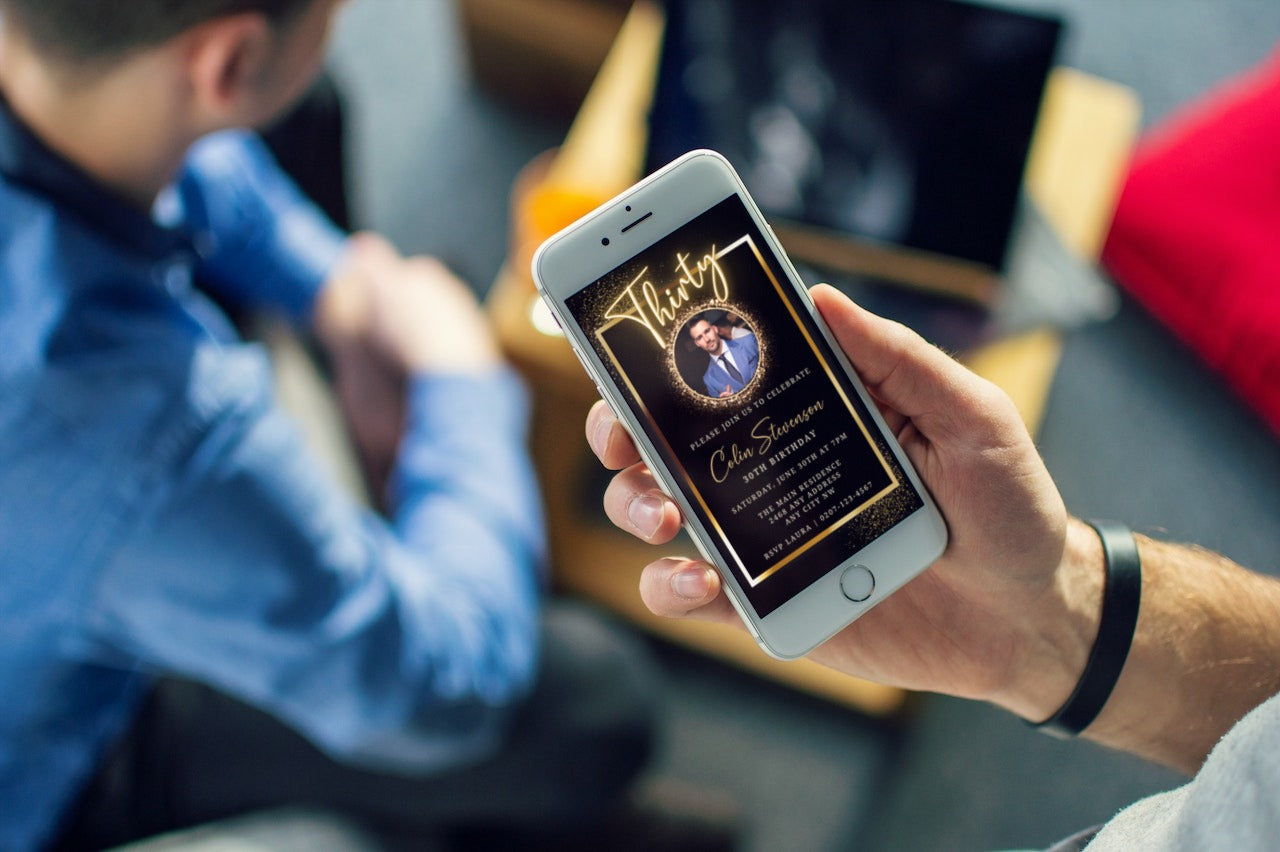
{"x":226,"y":59}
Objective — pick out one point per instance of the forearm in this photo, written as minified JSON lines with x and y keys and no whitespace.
{"x":463,"y":475}
{"x":1206,"y":650}
{"x":402,"y":646}
{"x":263,"y":244}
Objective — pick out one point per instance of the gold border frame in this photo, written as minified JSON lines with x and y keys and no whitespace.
{"x":894,"y":482}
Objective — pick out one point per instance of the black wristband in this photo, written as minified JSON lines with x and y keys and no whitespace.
{"x":1120,"y":601}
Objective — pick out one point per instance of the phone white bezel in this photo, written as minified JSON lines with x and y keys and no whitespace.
{"x":627,"y":225}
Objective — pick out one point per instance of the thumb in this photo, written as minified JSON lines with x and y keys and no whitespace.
{"x":909,"y":374}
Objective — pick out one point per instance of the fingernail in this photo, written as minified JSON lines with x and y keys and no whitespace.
{"x":692,"y":584}
{"x":645,"y":514}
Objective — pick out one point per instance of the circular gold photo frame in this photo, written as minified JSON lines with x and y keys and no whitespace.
{"x":686,"y":363}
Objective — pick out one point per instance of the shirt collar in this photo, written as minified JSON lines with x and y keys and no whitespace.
{"x":27,"y":161}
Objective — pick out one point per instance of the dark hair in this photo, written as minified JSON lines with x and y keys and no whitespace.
{"x":88,"y":30}
{"x":700,"y":316}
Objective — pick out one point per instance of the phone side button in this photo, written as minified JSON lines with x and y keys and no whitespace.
{"x":573,"y":347}
{"x":857,"y":583}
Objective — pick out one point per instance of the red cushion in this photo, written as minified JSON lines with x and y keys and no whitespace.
{"x":1196,"y":236}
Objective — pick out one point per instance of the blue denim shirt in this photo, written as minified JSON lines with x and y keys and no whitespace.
{"x":159,"y":514}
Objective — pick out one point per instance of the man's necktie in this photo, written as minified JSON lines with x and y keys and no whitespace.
{"x":732,"y":370}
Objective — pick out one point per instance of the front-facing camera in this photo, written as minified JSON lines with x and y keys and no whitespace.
{"x":604,"y":241}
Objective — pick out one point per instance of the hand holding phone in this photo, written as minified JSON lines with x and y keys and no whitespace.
{"x":955,"y":628}
{"x":683,"y":307}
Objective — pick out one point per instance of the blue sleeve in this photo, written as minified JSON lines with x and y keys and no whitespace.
{"x":397,"y":644}
{"x":262,"y":243}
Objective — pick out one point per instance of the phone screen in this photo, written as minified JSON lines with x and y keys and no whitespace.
{"x":745,"y":403}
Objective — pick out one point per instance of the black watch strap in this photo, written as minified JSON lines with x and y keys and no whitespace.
{"x":1120,"y":603}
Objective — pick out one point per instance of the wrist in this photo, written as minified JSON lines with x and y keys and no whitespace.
{"x":1121,"y":600}
{"x":1059,"y":629}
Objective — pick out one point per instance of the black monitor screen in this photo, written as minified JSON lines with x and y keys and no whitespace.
{"x":906,"y":122}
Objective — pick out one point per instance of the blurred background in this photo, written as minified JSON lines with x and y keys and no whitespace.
{"x":1134,"y":427}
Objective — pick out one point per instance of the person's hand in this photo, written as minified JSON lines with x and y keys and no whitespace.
{"x":412,"y":310}
{"x":1002,"y":616}
{"x":728,"y":391}
{"x":381,"y":318}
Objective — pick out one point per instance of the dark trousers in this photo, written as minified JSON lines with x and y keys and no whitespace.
{"x":195,"y":755}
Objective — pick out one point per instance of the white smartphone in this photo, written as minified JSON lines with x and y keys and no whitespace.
{"x":695,"y":327}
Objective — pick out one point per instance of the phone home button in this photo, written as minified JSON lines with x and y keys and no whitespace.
{"x":857,"y":583}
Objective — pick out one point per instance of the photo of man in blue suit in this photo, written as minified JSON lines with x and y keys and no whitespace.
{"x":732,"y":360}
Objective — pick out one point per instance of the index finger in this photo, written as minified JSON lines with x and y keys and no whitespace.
{"x":609,"y":439}
{"x":913,"y":377}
